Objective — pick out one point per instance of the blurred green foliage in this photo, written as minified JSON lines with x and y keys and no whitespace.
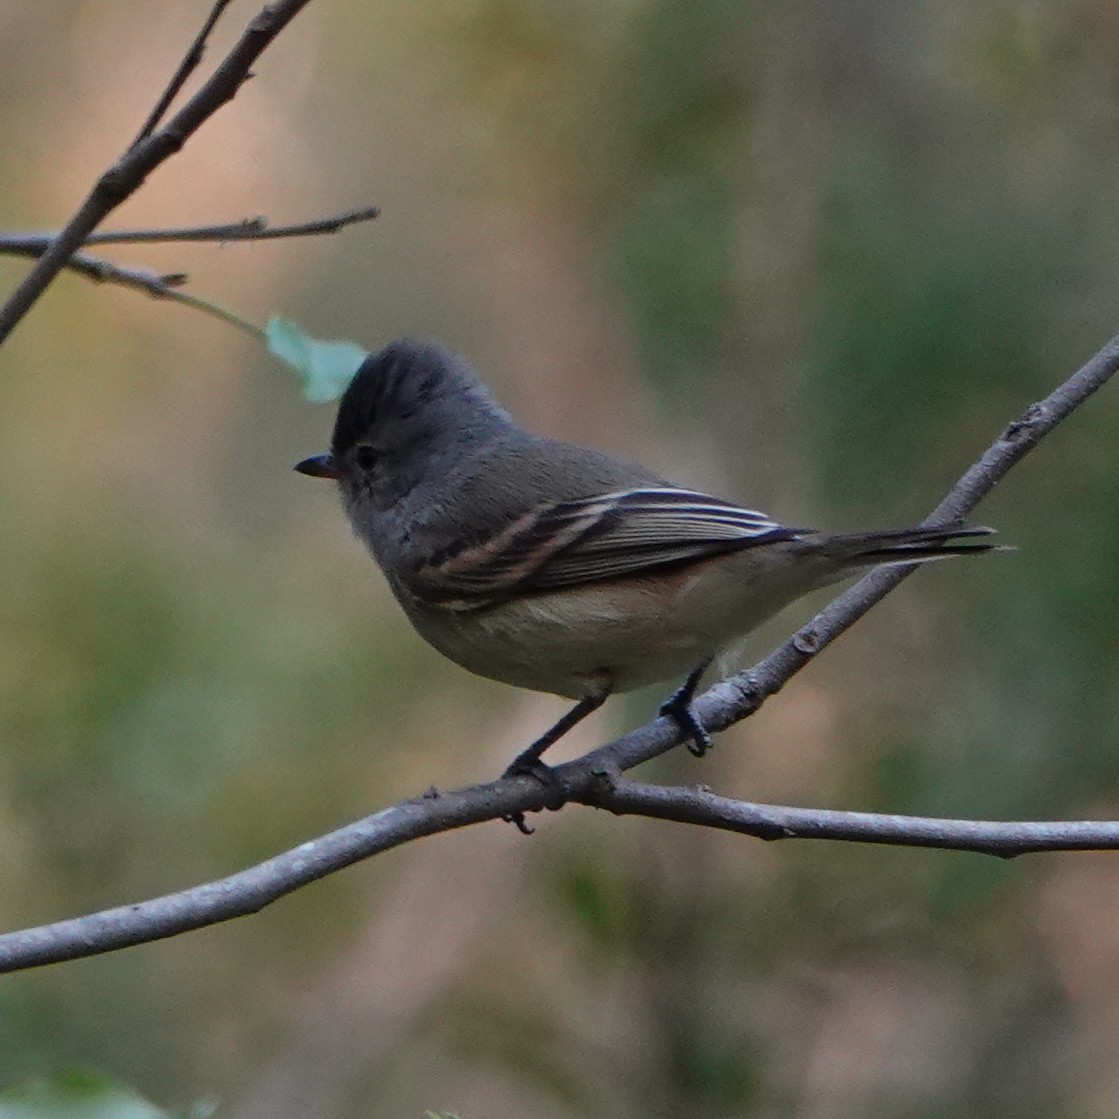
{"x":83,"y":1095}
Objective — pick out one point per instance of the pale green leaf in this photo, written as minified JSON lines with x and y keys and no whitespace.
{"x":324,"y":369}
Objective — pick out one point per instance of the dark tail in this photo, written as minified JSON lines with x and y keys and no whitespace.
{"x":912,"y":545}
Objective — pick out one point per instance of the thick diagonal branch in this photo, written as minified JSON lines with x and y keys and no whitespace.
{"x":741,"y":695}
{"x":593,"y":779}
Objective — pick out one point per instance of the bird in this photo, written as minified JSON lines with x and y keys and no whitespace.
{"x":558,"y":568}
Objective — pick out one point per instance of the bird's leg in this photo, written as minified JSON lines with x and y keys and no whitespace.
{"x":678,"y":707}
{"x":528,"y":761}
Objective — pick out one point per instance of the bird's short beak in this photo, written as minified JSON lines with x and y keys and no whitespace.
{"x":318,"y":466}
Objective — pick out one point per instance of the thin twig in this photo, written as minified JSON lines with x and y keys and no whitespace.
{"x":590,"y":778}
{"x":167,"y":285}
{"x":250,"y":229}
{"x":247,"y":229}
{"x":129,"y":172}
{"x":187,"y":67}
{"x":105,"y":272}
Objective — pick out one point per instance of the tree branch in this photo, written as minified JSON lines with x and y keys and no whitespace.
{"x":1005,"y":839}
{"x":130,"y":170}
{"x":251,"y":890}
{"x":593,"y":779}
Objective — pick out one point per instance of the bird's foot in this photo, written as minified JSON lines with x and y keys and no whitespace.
{"x":527,"y":764}
{"x":680,"y":709}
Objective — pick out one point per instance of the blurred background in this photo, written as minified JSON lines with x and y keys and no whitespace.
{"x":809,"y":255}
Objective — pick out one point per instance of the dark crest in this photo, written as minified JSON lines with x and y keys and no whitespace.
{"x":404,"y":380}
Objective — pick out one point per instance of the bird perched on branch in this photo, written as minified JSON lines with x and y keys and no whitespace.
{"x":556,"y":568}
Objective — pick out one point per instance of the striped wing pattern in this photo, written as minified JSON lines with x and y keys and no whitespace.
{"x":605,"y":537}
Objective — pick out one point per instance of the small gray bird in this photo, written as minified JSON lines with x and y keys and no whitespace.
{"x":557,"y":568}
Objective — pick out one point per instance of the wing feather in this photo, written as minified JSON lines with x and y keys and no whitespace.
{"x":605,"y":537}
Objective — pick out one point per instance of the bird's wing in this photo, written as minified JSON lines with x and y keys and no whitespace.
{"x":571,"y":542}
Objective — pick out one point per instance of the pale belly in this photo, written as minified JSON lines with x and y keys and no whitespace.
{"x":615,"y":635}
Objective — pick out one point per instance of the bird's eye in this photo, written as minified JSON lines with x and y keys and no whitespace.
{"x":365,"y":456}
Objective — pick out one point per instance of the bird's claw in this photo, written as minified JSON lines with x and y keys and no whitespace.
{"x":681,"y":711}
{"x":518,"y":820}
